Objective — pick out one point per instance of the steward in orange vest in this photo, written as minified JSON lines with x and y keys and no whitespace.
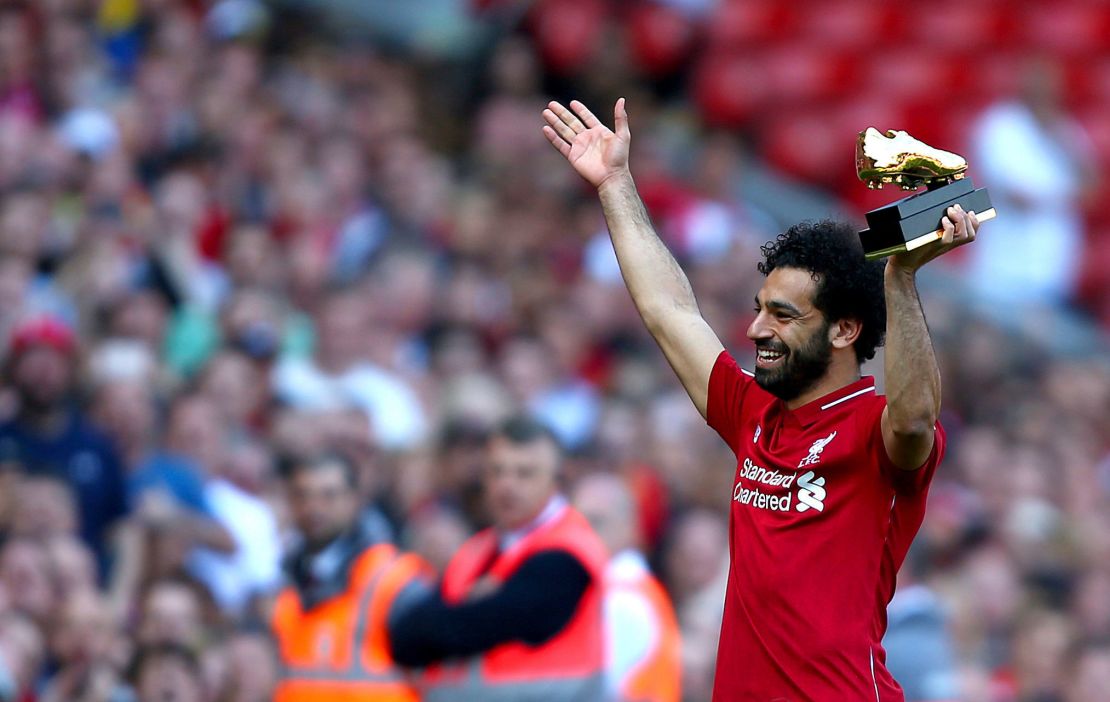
{"x":645,"y":659}
{"x":331,"y":621}
{"x":643,"y":643}
{"x":518,"y":617}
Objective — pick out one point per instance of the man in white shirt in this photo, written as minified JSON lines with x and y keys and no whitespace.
{"x":1036,"y":161}
{"x":339,"y":376}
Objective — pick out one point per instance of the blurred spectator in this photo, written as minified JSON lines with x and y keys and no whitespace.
{"x":1089,"y":672}
{"x":27,"y":580}
{"x":72,"y":565}
{"x":253,"y":667}
{"x":128,"y":412}
{"x":253,"y":568}
{"x":44,"y":507}
{"x":568,"y":405}
{"x":534,"y":578}
{"x":643,"y":645}
{"x":170,"y":491}
{"x":50,"y":436}
{"x":696,"y":566}
{"x":22,"y":654}
{"x":86,"y":648}
{"x":919,"y":651}
{"x":338,"y":377}
{"x":343,"y":587}
{"x":167,"y":673}
{"x":1036,"y":160}
{"x":171,"y":612}
{"x":436,"y":533}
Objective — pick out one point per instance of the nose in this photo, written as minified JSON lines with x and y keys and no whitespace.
{"x":759,"y":329}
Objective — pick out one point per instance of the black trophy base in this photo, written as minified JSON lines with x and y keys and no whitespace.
{"x":914,"y":221}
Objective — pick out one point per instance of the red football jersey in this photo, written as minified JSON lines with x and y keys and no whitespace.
{"x":820,"y":522}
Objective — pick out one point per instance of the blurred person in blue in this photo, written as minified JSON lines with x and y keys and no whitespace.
{"x":50,"y":435}
{"x":643,"y":643}
{"x":169,"y":489}
{"x":918,"y":644}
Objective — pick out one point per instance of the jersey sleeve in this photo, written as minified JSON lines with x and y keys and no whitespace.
{"x":728,"y":387}
{"x":905,"y":482}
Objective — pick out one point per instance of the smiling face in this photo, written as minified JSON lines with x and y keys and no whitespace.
{"x":792,"y":337}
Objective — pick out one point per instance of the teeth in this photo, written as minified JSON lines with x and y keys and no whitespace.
{"x":769,"y":355}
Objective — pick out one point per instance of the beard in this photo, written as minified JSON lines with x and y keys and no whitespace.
{"x":800,"y":368}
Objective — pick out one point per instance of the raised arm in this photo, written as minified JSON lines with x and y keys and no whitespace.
{"x":912,"y":375}
{"x":659,"y":289}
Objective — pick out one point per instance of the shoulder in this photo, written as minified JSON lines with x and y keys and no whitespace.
{"x":726,"y":368}
{"x":733,"y":396}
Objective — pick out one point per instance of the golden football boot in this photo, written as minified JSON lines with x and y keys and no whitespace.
{"x":898,"y":158}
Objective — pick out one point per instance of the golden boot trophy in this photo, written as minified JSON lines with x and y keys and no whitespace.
{"x":897,"y":158}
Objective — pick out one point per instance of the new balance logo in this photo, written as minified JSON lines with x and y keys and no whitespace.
{"x":811,"y":493}
{"x":814,"y":455}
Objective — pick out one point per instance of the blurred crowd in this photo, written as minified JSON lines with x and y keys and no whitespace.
{"x":230,"y":239}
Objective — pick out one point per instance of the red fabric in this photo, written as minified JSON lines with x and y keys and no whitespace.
{"x":660,"y":38}
{"x":817,"y":533}
{"x":568,"y":32}
{"x":652,"y":503}
{"x":47,"y":331}
{"x":212,"y":233}
{"x":578,"y":649}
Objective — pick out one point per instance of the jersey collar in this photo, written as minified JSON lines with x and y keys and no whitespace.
{"x":811,"y":411}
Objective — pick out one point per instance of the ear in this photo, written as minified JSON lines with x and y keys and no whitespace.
{"x":844,"y":332}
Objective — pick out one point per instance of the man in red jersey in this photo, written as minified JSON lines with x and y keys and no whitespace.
{"x":831,"y":478}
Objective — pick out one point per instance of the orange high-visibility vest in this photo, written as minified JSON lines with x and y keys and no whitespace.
{"x":567,"y":668}
{"x":658,"y":677}
{"x":338,"y":651}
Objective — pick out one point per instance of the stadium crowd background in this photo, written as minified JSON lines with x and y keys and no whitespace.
{"x":253,"y":230}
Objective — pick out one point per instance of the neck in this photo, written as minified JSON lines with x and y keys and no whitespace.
{"x":315,"y":548}
{"x":534,"y":518}
{"x":841,"y":372}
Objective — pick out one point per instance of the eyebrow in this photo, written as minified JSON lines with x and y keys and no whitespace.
{"x":780,"y":305}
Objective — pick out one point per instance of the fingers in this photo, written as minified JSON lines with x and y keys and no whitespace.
{"x":560,"y":127}
{"x":582,"y":111}
{"x":966,"y":224}
{"x":557,"y":141}
{"x":620,"y":120}
{"x":567,"y":117}
{"x":948,"y":227}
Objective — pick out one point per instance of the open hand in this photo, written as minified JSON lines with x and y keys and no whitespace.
{"x":959,"y":228}
{"x":596,"y":152}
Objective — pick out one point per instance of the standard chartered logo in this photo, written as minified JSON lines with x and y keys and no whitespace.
{"x":811,"y":492}
{"x":748,"y":490}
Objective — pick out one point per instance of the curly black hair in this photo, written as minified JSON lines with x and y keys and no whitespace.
{"x":848,"y":286}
